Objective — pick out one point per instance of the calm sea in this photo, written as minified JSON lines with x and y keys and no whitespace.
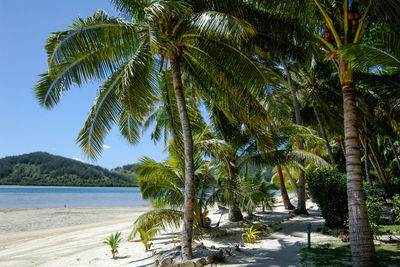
{"x":21,"y":197}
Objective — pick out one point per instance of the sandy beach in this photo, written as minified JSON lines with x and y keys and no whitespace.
{"x":74,"y":236}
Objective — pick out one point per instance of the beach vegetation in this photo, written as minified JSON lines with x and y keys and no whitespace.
{"x":147,"y":235}
{"x":159,"y":219}
{"x":374,"y":209}
{"x":333,"y":72}
{"x":127,"y":54}
{"x":251,"y":234}
{"x":337,"y":25}
{"x":327,"y":188}
{"x":113,"y":241}
{"x":395,"y":211}
{"x":336,"y":253}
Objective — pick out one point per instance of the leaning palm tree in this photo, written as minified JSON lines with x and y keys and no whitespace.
{"x":127,"y":54}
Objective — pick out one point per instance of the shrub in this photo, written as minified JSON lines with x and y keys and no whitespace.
{"x":251,"y":234}
{"x":376,"y":190}
{"x":374,"y":210}
{"x":327,"y":188}
{"x":396,"y":208}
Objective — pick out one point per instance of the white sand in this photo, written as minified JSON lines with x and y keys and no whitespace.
{"x":66,"y":237}
{"x":74,"y":236}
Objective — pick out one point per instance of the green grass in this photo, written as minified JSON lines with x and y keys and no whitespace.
{"x":395,"y":229}
{"x":339,"y":254}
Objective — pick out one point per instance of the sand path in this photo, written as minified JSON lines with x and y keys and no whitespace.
{"x":283,"y":245}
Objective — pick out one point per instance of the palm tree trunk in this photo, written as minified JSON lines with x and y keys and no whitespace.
{"x":361,"y":241}
{"x":301,"y":200}
{"x":394,"y":152}
{"x":379,"y":164}
{"x":340,"y":141}
{"x":322,"y":128}
{"x":376,"y":170}
{"x":291,"y":181}
{"x":369,"y":158}
{"x":187,"y":232}
{"x":235,"y":214}
{"x":366,"y":159}
{"x":285,"y":197}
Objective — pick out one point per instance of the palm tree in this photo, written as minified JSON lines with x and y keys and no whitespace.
{"x":128,"y":54}
{"x":232,"y":148}
{"x":336,"y":24}
{"x":319,"y":92}
{"x":357,"y":17}
{"x":301,"y":203}
{"x":164,"y":182}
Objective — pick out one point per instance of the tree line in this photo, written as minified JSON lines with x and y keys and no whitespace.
{"x":284,"y":82}
{"x":41,"y":168}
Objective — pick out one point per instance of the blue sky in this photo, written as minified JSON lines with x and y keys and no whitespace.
{"x":26,"y":126}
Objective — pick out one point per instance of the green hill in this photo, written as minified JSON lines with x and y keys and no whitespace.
{"x":41,"y":168}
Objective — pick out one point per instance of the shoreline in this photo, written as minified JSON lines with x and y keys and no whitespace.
{"x":35,"y":219}
{"x":63,"y":236}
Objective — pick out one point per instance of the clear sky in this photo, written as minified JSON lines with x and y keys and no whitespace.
{"x":24,"y":125}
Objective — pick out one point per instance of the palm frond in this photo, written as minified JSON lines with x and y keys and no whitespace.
{"x":129,"y":127}
{"x":281,"y":157}
{"x":162,"y":217}
{"x":364,"y":57}
{"x":105,"y":112}
{"x":158,"y":181}
{"x":222,"y":25}
{"x":91,"y":50}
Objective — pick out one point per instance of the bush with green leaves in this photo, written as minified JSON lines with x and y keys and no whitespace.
{"x":113,"y":241}
{"x":374,"y":209}
{"x":327,"y":188}
{"x":376,"y":190}
{"x":396,"y":208}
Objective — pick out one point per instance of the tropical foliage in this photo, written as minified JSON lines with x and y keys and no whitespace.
{"x":396,"y":208}
{"x":147,"y":235}
{"x":113,"y":241}
{"x":251,"y":234}
{"x":325,"y":87}
{"x":328,"y":189}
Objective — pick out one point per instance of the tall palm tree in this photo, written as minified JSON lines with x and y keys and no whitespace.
{"x":336,"y":24}
{"x":301,"y":200}
{"x":320,"y":93}
{"x":128,"y":53}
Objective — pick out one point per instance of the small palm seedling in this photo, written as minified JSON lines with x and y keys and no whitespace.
{"x":113,"y":242}
{"x":251,"y":234}
{"x":147,"y":235}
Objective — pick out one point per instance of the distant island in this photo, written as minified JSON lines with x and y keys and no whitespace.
{"x":44,"y":169}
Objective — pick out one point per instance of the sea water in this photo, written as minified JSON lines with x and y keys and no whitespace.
{"x":24,"y":197}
